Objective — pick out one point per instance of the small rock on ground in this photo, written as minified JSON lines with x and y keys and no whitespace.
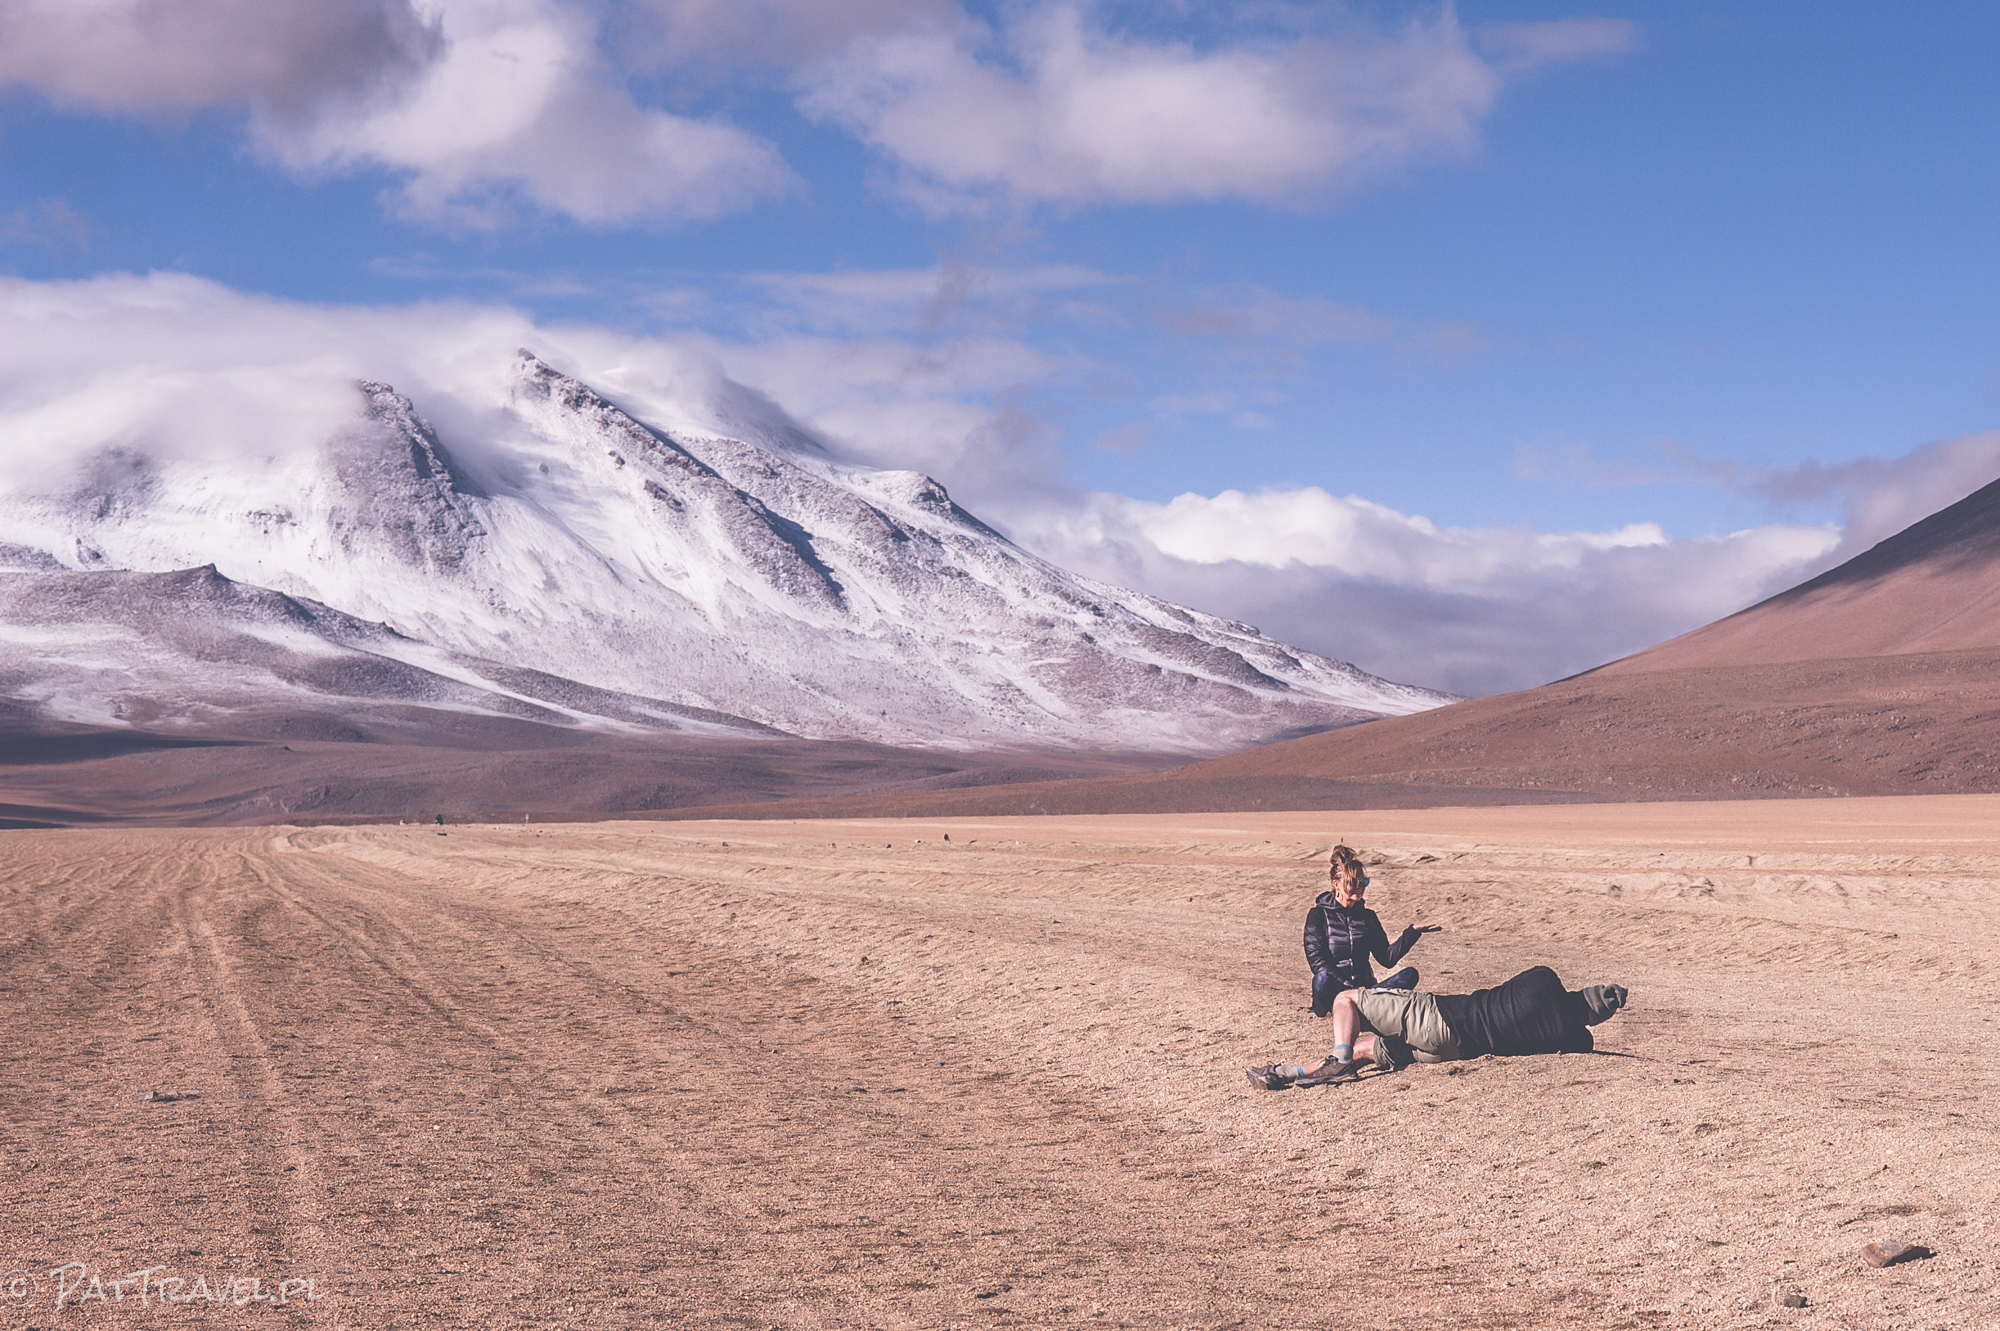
{"x":1887,"y":1252}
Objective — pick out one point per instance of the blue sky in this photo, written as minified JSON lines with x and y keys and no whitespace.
{"x":1475,"y":345}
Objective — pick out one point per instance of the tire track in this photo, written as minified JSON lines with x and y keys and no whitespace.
{"x":282,"y":1187}
{"x":741,"y":1228}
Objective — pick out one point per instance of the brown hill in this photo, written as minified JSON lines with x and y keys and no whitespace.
{"x":1879,"y":677}
{"x":1932,"y":587}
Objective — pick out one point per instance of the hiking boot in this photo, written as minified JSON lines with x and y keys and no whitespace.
{"x":1333,"y":1076}
{"x":1268,"y":1077}
{"x":1405,"y":978}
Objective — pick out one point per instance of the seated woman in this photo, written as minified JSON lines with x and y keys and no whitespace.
{"x":1530,"y":1014}
{"x":1341,"y":934}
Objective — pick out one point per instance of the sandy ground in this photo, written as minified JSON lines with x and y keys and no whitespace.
{"x":851,"y":1075}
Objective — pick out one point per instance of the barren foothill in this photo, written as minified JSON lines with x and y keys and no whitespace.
{"x":847,"y":1074}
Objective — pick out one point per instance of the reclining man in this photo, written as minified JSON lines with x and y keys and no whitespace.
{"x":1530,"y":1014}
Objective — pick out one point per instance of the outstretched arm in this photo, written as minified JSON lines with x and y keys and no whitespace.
{"x":1390,"y":953}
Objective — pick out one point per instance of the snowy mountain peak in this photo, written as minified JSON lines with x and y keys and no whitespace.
{"x":705,"y":571}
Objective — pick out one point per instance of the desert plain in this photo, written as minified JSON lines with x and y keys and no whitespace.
{"x":853,"y":1074}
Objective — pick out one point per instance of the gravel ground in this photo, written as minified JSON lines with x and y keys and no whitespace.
{"x":854,"y":1075}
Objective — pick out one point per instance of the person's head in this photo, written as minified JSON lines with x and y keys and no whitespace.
{"x":1349,"y":882}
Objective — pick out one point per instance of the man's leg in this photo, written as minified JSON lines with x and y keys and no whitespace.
{"x":1406,"y":1026}
{"x":1347,"y":1024}
{"x":1367,"y":1025}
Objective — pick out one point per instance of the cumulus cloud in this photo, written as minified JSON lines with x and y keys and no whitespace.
{"x":1522,"y":627}
{"x":479,"y":107}
{"x":519,"y":103}
{"x":1052,"y":108}
{"x":1308,"y":526}
{"x":176,"y":365}
{"x":1472,"y":610}
{"x":179,"y":364}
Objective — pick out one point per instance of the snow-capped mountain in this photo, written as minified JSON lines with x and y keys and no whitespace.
{"x":747,"y":580}
{"x":191,"y":649}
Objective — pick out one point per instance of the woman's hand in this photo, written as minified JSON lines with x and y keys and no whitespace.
{"x":1427,"y":928}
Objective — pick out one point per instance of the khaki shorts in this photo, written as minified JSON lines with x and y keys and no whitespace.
{"x":1413,"y":1019}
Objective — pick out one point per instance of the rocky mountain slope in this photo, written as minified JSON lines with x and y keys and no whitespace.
{"x":579,"y":563}
{"x":191,"y":650}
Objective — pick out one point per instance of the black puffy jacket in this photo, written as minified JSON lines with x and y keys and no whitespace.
{"x":1530,"y":1014}
{"x":1339,"y":941}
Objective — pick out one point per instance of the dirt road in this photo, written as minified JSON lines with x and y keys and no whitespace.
{"x":851,"y":1075}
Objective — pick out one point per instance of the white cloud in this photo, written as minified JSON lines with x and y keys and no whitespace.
{"x":483,"y":108}
{"x":1277,"y":528}
{"x":479,"y":107}
{"x":1050,"y":109}
{"x":855,"y":346}
{"x":519,"y":103}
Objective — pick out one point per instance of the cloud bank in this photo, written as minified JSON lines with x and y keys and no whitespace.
{"x":178,"y":363}
{"x":1470,"y":610}
{"x":483,"y":110}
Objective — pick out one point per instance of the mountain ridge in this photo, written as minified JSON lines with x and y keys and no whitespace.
{"x":766,"y":583}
